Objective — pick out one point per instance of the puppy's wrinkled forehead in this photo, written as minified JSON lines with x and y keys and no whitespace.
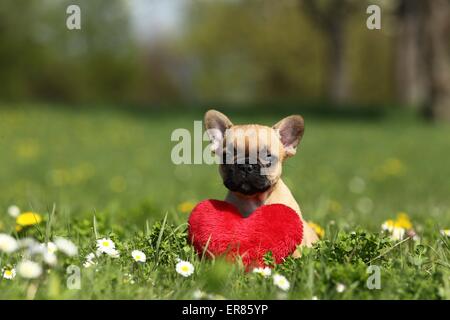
{"x":252,"y":139}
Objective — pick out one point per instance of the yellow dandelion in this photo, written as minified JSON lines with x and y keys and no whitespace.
{"x":27,"y":219}
{"x":398,"y":227}
{"x":186,"y":207}
{"x":317,"y":229}
{"x":388,"y":225}
{"x":403,"y":221}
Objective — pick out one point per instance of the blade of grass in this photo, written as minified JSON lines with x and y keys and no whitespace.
{"x":158,"y":242}
{"x":94,"y":223}
{"x":48,"y":227}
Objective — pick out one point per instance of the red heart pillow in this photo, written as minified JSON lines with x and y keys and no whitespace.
{"x":219,"y":226}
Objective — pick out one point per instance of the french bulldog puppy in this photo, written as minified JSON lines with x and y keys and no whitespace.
{"x":251,"y":163}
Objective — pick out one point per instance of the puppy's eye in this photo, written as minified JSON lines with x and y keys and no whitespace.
{"x":268,"y":160}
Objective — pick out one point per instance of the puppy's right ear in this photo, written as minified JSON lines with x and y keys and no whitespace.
{"x":216,"y":123}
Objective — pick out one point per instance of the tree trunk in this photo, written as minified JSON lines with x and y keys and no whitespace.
{"x":410,"y":67}
{"x":338,"y":83}
{"x":331,"y":18}
{"x":438,"y":59}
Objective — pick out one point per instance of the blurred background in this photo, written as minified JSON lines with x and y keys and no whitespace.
{"x":86,"y":115}
{"x":194,"y":52}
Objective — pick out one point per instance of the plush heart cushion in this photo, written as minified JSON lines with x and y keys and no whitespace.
{"x":219,"y":227}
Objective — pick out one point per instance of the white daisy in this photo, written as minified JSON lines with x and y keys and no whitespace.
{"x":445,"y":232}
{"x":113,"y":253}
{"x":138,"y":256}
{"x":398,"y":233}
{"x":7,"y":243}
{"x":314,"y":298}
{"x":387,"y":226}
{"x":29,"y":269}
{"x":51,"y":247}
{"x":9,"y":273}
{"x":29,"y":244}
{"x":185,"y":268}
{"x":66,"y":246}
{"x":91,"y":256}
{"x":89,"y":263}
{"x":90,"y":260}
{"x":281,"y":282}
{"x":265,"y":272}
{"x":340,"y":287}
{"x":105,"y":245}
{"x":13,"y":211}
{"x":50,"y":258}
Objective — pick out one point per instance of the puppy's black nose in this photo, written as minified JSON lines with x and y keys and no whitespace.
{"x":248,"y":168}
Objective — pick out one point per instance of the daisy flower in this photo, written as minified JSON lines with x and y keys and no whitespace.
{"x":445,"y":232}
{"x":66,"y":246}
{"x":13,"y":211}
{"x":185,"y":268}
{"x":398,"y":228}
{"x":398,"y":234}
{"x":105,"y":245}
{"x":50,"y":258}
{"x":29,"y":269}
{"x":7,"y":243}
{"x":340,"y":287}
{"x":51,"y":247}
{"x":265,"y":272}
{"x":388,"y":225}
{"x":9,"y":273}
{"x":281,"y":282}
{"x":90,"y":260}
{"x":113,"y":253}
{"x":138,"y":256}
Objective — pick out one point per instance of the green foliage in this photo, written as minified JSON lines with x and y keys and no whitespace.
{"x":354,"y":247}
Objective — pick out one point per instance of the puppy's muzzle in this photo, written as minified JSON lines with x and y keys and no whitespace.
{"x":249,"y":168}
{"x":245,"y":178}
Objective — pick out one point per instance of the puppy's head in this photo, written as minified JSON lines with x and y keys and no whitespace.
{"x":252,"y":155}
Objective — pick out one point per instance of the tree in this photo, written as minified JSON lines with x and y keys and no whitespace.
{"x":423,"y":57}
{"x":437,"y":59}
{"x":330,"y":17}
{"x":409,"y":40}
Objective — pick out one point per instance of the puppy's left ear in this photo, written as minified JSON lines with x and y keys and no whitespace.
{"x":290,"y":131}
{"x":216,"y":124}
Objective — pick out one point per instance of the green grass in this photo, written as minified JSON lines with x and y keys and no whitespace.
{"x":116,"y":165}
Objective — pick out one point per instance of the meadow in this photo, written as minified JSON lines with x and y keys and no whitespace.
{"x":95,"y":173}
